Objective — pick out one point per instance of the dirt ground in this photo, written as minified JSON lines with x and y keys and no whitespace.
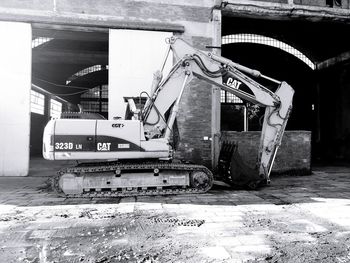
{"x":296,"y":219}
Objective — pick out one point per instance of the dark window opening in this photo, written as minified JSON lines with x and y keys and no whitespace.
{"x":95,"y":100}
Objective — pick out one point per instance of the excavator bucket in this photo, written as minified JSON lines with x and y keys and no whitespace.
{"x":234,"y":170}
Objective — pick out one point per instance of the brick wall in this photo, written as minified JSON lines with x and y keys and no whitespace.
{"x":323,"y":3}
{"x":311,"y":2}
{"x":294,"y":155}
{"x":141,"y":10}
{"x":195,"y":117}
{"x":80,"y":11}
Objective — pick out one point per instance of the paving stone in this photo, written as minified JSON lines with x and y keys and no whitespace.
{"x":219,"y":253}
{"x":256,"y":249}
{"x":129,"y":208}
{"x":239,"y":226}
{"x":304,"y":225}
{"x":42,"y":234}
{"x":228,"y":241}
{"x":251,"y":239}
{"x":149,"y":206}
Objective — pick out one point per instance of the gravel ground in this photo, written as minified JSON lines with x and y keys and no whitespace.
{"x":296,"y":219}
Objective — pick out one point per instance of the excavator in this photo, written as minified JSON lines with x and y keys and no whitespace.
{"x":135,"y":156}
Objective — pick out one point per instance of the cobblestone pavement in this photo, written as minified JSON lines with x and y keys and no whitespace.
{"x":296,"y":219}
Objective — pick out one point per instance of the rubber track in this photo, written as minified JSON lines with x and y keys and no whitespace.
{"x":112,"y":166}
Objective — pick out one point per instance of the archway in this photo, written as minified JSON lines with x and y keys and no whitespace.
{"x":280,"y":61}
{"x":268,"y":41}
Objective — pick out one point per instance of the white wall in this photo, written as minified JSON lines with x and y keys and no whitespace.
{"x":133,"y":58}
{"x":15,"y":84}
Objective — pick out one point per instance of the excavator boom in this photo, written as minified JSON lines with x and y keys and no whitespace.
{"x":228,"y":76}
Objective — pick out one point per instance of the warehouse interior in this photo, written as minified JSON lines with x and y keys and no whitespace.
{"x":70,"y":67}
{"x":321,"y":98}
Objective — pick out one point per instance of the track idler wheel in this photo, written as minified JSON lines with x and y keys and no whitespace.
{"x":201,"y":180}
{"x":70,"y":184}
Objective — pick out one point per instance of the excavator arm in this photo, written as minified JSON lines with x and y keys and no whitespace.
{"x":162,"y":106}
{"x":134,"y":154}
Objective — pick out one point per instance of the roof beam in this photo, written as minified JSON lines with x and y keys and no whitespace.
{"x":343,"y":57}
{"x":266,"y":10}
{"x":93,"y":22}
{"x":70,"y":57}
{"x":71,"y":35}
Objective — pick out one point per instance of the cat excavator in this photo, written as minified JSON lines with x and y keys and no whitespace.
{"x":133,"y":157}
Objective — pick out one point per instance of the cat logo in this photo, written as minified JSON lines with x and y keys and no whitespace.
{"x":103,"y":146}
{"x":117,"y":125}
{"x":233,"y":83}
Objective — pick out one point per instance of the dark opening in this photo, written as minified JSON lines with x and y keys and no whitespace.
{"x":321,"y":102}
{"x":63,"y":76}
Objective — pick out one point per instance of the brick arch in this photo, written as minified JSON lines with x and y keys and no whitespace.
{"x":268,"y":41}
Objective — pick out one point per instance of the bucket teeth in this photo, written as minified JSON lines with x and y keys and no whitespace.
{"x":234,"y":170}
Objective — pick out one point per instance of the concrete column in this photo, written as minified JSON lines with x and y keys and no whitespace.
{"x":15,"y":76}
{"x":216,"y":105}
{"x":47,"y":108}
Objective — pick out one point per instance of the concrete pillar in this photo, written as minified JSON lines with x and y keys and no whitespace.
{"x":133,"y":58}
{"x":15,"y":76}
{"x":216,"y":96}
{"x":47,"y":108}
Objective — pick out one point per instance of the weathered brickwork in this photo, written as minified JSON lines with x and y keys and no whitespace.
{"x":293,"y":156}
{"x":195,"y":123}
{"x":195,"y":117}
{"x":311,"y":2}
{"x":323,"y":3}
{"x":136,"y":9}
{"x":29,"y":4}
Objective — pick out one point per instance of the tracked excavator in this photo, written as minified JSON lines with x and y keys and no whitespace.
{"x":132,"y":157}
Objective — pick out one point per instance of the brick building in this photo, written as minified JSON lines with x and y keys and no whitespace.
{"x":60,"y":46}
